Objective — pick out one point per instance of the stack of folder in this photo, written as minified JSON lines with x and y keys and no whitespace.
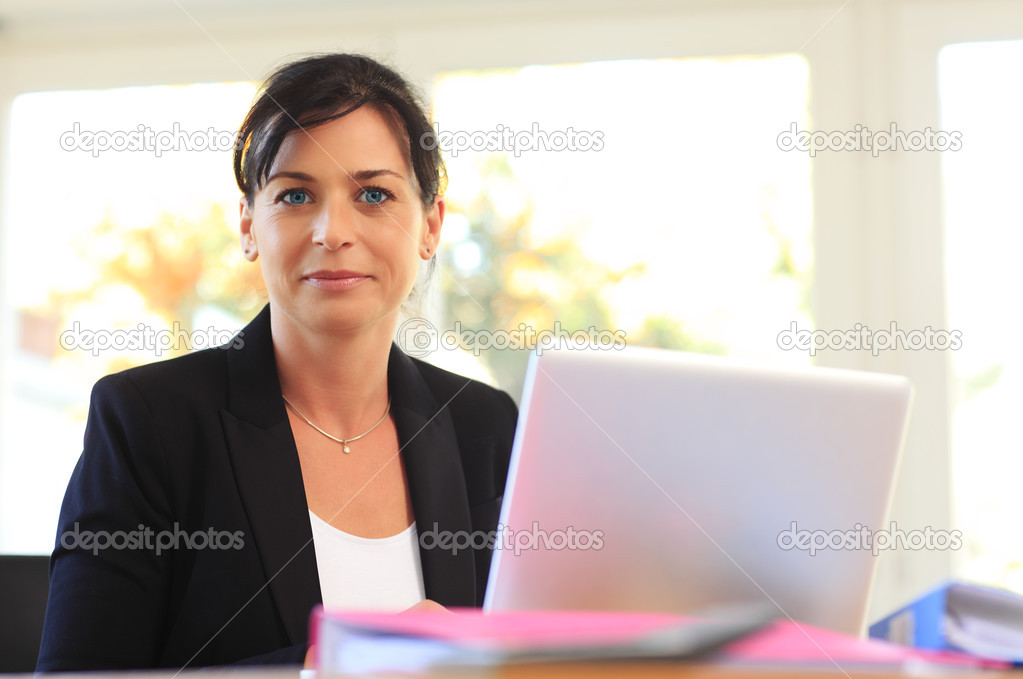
{"x":427,"y":641}
{"x":983,"y":621}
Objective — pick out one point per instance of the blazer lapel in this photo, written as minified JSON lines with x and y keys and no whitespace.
{"x":269,"y":477}
{"x":429,"y":449}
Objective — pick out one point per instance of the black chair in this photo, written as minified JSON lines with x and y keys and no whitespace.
{"x":24,"y":585}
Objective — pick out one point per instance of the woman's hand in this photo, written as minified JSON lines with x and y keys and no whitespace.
{"x":426,"y":605}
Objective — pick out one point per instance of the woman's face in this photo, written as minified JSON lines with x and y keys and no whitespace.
{"x":339,"y":226}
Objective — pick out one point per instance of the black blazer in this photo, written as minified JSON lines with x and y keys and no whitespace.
{"x":200,"y":447}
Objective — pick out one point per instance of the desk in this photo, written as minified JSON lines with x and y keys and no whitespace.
{"x":574,"y":671}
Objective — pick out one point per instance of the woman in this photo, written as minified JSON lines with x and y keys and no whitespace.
{"x":239,"y":487}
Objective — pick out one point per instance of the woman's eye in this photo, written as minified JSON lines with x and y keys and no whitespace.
{"x":295,"y":197}
{"x":373,"y":196}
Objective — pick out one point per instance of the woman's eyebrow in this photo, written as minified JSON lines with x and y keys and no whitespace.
{"x":358,"y":176}
{"x":363,"y":175}
{"x":300,"y":176}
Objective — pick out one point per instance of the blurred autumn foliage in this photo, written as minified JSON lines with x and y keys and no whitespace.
{"x":175,"y":268}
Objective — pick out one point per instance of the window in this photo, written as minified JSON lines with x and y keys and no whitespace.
{"x":104,"y":240}
{"x":984,"y":239}
{"x":101,"y":240}
{"x":610,"y":196}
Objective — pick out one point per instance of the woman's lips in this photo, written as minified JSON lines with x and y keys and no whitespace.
{"x":335,"y":280}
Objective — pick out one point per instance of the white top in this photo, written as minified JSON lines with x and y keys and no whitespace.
{"x":382,"y":574}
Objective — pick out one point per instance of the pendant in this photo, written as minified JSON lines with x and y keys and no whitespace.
{"x":345,"y":448}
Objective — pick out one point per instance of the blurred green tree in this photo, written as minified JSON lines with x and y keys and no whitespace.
{"x":512,"y":281}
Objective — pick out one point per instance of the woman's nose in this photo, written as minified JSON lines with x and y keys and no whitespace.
{"x":334,"y":228}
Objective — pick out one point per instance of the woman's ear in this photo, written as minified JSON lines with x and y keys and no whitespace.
{"x":248,"y":239}
{"x":432,"y":222}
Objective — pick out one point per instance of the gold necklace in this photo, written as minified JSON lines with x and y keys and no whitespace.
{"x":344,"y":442}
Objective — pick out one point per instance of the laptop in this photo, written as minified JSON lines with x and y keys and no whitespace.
{"x":653,"y":480}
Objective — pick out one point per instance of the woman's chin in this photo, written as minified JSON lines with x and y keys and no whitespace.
{"x":346,"y":320}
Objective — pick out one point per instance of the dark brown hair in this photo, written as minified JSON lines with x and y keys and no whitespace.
{"x":318,"y":89}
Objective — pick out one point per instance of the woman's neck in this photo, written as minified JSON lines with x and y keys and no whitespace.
{"x":338,"y":381}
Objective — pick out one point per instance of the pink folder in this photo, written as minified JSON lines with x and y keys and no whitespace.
{"x":471,"y":637}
